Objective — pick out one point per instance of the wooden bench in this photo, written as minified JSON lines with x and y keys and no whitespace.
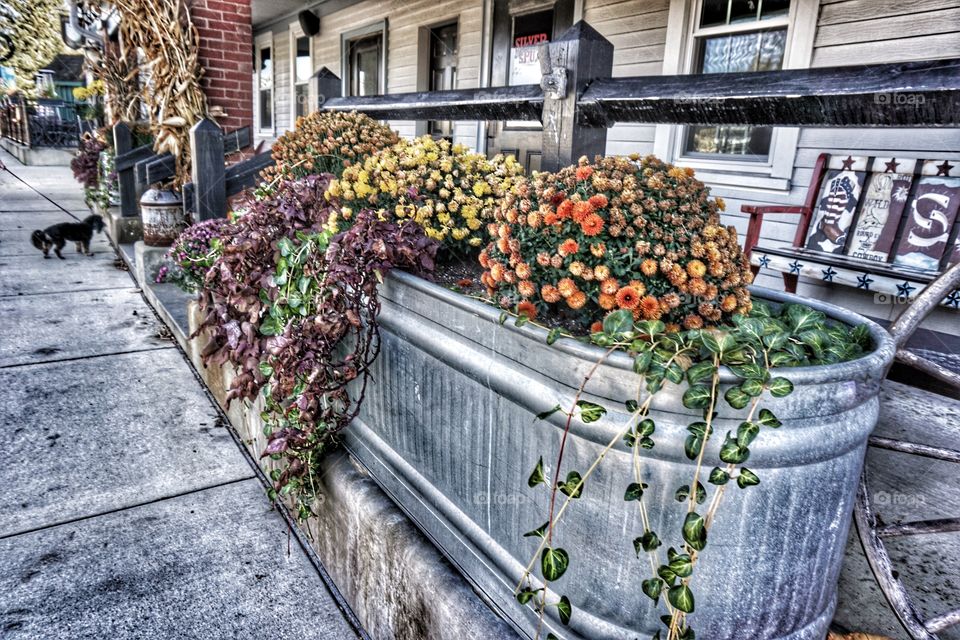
{"x":885,"y":225}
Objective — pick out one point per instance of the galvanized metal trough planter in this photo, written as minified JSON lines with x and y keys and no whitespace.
{"x":448,"y":430}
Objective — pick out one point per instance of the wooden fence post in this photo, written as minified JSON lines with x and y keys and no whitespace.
{"x":209,"y":175}
{"x":568,"y":65}
{"x":126,"y":180}
{"x":328,"y":86}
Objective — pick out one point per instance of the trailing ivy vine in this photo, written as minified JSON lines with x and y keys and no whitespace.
{"x":751,"y":348}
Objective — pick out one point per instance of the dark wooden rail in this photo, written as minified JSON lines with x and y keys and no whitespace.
{"x":524,"y":102}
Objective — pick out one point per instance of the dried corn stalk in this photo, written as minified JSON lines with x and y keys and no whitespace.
{"x":163,"y":32}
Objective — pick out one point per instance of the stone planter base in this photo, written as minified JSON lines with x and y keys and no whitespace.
{"x":123,"y":230}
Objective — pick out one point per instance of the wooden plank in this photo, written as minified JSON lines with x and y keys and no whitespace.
{"x":843,"y":11}
{"x":160,"y":169}
{"x":889,"y":28}
{"x":126,"y":180}
{"x":246,"y":174}
{"x":523,"y":102}
{"x":237,"y":140}
{"x":127,"y":161}
{"x":206,"y":144}
{"x":836,"y":96}
{"x":940,"y":46}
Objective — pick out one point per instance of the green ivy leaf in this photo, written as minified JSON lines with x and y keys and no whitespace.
{"x":647,"y":443}
{"x":747,"y":478}
{"x":503,"y":318}
{"x":537,"y":477}
{"x":543,"y":415}
{"x":520,"y":321}
{"x":767,"y":419}
{"x":681,"y":565}
{"x":553,"y":335}
{"x":692,"y":446}
{"x":776,"y":341}
{"x":731,"y":452}
{"x":646,"y":427}
{"x":539,"y":532}
{"x":802,"y":317}
{"x":700,"y":371}
{"x":751,"y":329}
{"x":746,"y":433}
{"x":651,"y":327}
{"x":752,"y":387}
{"x":642,"y":362}
{"x":286,"y":246}
{"x":303,"y":285}
{"x":649,"y":541}
{"x":265,"y":370}
{"x":634,"y":491}
{"x":674,"y":373}
{"x":554,"y":563}
{"x":697,"y":397}
{"x":652,"y":588}
{"x":718,"y":476}
{"x":590,"y":412}
{"x":717,"y":341}
{"x":683,"y":493}
{"x":666,"y":574}
{"x":736,"y":397}
{"x":749,"y":370}
{"x":618,"y":323}
{"x":695,"y":531}
{"x":632,"y":406}
{"x":783,"y":359}
{"x":573,"y":486}
{"x":681,"y":598}
{"x":564,"y":609}
{"x":525,"y":595}
{"x":780,"y":387}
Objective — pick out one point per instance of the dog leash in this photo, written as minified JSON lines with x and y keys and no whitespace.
{"x":4,"y":167}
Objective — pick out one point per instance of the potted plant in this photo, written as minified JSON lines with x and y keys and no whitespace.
{"x":587,"y":448}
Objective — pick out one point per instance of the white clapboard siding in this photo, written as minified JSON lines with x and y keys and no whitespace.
{"x":281,"y":79}
{"x":638,"y":31}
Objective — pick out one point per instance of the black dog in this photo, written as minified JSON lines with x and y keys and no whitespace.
{"x":59,"y":234}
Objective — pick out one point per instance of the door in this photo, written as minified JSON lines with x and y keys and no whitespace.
{"x":519,"y":28}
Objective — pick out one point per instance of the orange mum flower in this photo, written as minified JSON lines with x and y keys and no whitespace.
{"x":584,"y":173}
{"x":599,"y":201}
{"x":526,"y":288}
{"x":550,"y":218}
{"x":649,"y":267}
{"x":567,"y":287}
{"x":484,"y":259}
{"x":581,"y":210}
{"x":598,"y":249}
{"x":639,"y":286}
{"x":577,"y":300}
{"x":650,"y":308}
{"x":596,"y":327}
{"x":601,"y":271}
{"x":568,"y":247}
{"x":592,"y":224}
{"x":692,"y":321}
{"x":697,"y":287}
{"x":524,"y":270}
{"x":576,"y":268}
{"x":729,"y":303}
{"x":550,"y":293}
{"x":628,"y":298}
{"x":607,"y":301}
{"x":565,"y":209}
{"x":543,"y":259}
{"x":496,"y":272}
{"x":527,"y":308}
{"x":696,"y":269}
{"x":503,"y":245}
{"x":609,"y":286}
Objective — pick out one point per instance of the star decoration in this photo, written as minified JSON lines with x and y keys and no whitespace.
{"x":828,"y":274}
{"x":848,"y":163}
{"x":944,"y":169}
{"x":863,"y":282}
{"x":953,"y":300}
{"x":795,"y":266}
{"x":903,"y":290}
{"x":764,"y":261}
{"x":891,"y":166}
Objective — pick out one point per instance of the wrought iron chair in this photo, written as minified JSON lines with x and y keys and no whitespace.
{"x":871,"y":533}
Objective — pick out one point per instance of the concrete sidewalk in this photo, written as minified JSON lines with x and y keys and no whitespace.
{"x":128,"y":509}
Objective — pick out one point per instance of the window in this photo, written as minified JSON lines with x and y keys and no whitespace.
{"x":737,"y":36}
{"x":443,"y":71}
{"x":264,"y":83}
{"x":724,"y":36}
{"x":364,"y":60}
{"x":301,"y":70}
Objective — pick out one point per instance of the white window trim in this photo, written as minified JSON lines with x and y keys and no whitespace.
{"x":296,"y":31}
{"x":679,"y":56}
{"x":264,"y":41}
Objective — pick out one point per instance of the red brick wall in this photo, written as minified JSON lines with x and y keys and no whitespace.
{"x":226,"y":54}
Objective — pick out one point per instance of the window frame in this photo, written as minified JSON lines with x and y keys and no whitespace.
{"x":378,"y":28}
{"x":261,"y":42}
{"x":295,"y":33}
{"x":680,"y":57}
